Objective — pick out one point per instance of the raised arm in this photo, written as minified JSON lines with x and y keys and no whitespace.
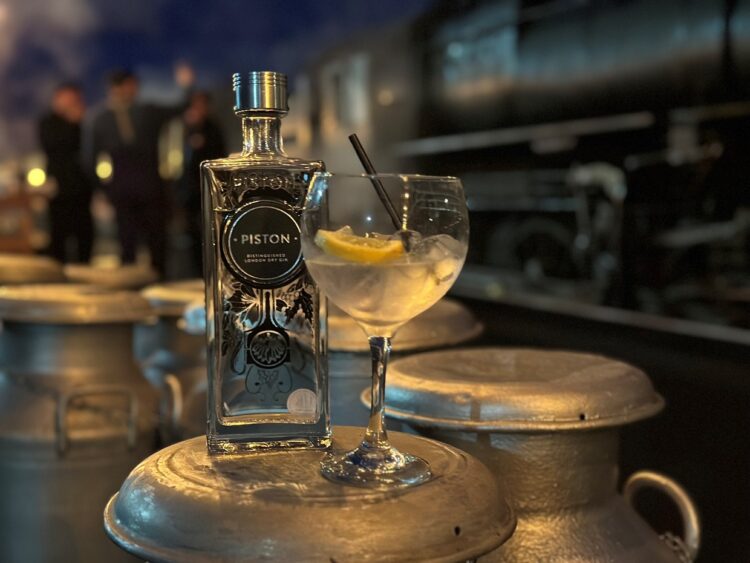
{"x":184,"y":77}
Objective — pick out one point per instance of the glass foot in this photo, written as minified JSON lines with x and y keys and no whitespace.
{"x":375,"y":468}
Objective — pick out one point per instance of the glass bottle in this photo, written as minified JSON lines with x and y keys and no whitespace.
{"x":266,"y":321}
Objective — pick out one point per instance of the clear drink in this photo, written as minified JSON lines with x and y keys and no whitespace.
{"x":385,"y":295}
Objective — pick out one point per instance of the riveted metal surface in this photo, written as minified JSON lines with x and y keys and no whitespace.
{"x":70,"y":304}
{"x":563,"y":489}
{"x":277,"y":506}
{"x":25,"y":269}
{"x":517,"y":389}
{"x":520,"y":412}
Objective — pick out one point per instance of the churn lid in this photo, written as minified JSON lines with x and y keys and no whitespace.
{"x":509,"y":389}
{"x":171,"y":299}
{"x":130,"y":276}
{"x":71,"y":304}
{"x":24,"y":268}
{"x":447,"y":323}
{"x":181,"y":504}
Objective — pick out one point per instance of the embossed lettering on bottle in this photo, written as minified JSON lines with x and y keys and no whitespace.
{"x":266,"y":333}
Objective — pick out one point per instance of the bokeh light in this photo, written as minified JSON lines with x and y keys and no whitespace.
{"x":104,"y":168}
{"x":36,"y":177}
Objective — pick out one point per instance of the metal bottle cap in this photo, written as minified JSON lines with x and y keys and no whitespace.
{"x":260,"y":91}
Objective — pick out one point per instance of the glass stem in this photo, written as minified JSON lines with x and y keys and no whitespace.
{"x":376,"y":436}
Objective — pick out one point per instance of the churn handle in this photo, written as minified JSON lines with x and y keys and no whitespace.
{"x":171,"y":418}
{"x":690,"y":520}
{"x":61,"y":426}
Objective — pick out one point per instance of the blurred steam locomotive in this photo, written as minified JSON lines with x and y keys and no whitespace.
{"x":603,"y":144}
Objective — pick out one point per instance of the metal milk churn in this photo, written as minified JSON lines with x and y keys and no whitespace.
{"x":173,"y":357}
{"x":25,"y":269}
{"x":546,"y":423}
{"x":183,"y":504}
{"x":448,"y":323}
{"x":76,"y":416}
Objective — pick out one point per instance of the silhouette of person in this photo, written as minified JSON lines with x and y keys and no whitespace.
{"x":70,"y":208}
{"x":203,"y":141}
{"x":128,"y":131}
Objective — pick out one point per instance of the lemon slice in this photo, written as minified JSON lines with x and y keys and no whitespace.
{"x":358,"y":249}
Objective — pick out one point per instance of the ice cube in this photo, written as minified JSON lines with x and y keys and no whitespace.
{"x":449,"y":246}
{"x":437,"y":246}
{"x":410,"y":239}
{"x":444,"y":253}
{"x":446,"y":269}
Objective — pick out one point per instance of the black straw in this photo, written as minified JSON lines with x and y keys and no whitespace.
{"x":376,"y":183}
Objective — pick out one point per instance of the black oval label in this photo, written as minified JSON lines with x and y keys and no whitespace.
{"x":261,"y":243}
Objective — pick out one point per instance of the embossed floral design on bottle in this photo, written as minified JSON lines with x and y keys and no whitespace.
{"x":266,"y":320}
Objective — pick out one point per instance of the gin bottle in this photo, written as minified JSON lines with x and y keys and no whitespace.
{"x":266,"y":321}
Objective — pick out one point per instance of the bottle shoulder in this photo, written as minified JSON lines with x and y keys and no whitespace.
{"x":240,"y":162}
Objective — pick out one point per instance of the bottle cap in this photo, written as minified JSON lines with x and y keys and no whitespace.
{"x":260,"y":91}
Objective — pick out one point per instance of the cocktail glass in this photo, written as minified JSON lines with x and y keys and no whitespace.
{"x":383,"y":269}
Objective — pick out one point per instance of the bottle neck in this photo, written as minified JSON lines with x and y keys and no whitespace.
{"x":261,"y":134}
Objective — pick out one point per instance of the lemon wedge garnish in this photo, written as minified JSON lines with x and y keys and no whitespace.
{"x":358,"y":249}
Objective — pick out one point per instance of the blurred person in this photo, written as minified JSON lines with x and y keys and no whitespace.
{"x":70,"y":207}
{"x":128,"y":131}
{"x":203,"y":141}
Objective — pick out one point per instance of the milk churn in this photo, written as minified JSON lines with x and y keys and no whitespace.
{"x":129,"y":276}
{"x":25,"y":269}
{"x":446,"y":324}
{"x":76,"y":416}
{"x":163,"y":345}
{"x":276,"y":506}
{"x":173,"y":357}
{"x":185,"y":380}
{"x":546,"y":423}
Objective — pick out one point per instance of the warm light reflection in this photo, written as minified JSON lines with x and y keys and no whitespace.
{"x":386,"y":97}
{"x":104,"y":168}
{"x":174,"y":157}
{"x":36,"y":177}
